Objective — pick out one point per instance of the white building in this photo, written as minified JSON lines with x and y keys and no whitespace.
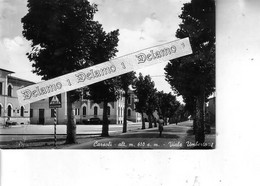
{"x":40,"y":113}
{"x":83,"y":111}
{"x":9,"y":106}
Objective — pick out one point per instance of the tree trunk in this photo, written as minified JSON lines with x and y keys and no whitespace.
{"x":150,"y":121}
{"x":105,"y":121}
{"x":165,"y":121}
{"x":71,"y":125}
{"x":194,"y":123}
{"x":200,"y":118}
{"x":155,"y":122}
{"x":143,"y":122}
{"x":125,"y":113}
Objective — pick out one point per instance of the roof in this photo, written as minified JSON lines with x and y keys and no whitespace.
{"x":19,"y":79}
{"x":10,"y":72}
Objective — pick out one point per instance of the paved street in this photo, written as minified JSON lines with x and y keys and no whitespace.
{"x":173,"y":137}
{"x":33,"y":132}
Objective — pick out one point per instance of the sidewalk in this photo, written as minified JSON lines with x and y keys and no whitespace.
{"x":173,"y":137}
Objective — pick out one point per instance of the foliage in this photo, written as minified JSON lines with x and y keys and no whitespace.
{"x":104,"y":50}
{"x":166,"y":104}
{"x":108,"y":90}
{"x":126,"y":80}
{"x":193,"y":76}
{"x":144,"y":90}
{"x":65,"y":38}
{"x":62,"y":34}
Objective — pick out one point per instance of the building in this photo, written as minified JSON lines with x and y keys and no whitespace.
{"x":40,"y":113}
{"x":84,"y":110}
{"x":9,"y":106}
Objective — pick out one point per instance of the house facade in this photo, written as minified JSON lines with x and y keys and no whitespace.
{"x":84,"y":110}
{"x":9,"y":106}
{"x":40,"y":113}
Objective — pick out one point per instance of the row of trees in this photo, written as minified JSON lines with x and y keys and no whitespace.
{"x":151,"y":101}
{"x":193,"y":76}
{"x":65,"y":38}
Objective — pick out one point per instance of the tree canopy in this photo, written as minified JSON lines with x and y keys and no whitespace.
{"x":193,"y":76}
{"x":166,"y":104}
{"x":126,"y":80}
{"x":144,"y":90}
{"x":65,"y":38}
{"x":62,"y":34}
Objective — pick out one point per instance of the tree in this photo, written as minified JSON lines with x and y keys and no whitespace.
{"x":151,"y":105}
{"x":108,"y":90}
{"x":104,"y":92}
{"x":143,"y":89}
{"x":179,"y":114}
{"x":125,"y":81}
{"x":193,"y":76}
{"x":64,"y":39}
{"x":166,"y":104}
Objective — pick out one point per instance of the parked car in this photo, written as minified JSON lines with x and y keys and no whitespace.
{"x":94,"y":121}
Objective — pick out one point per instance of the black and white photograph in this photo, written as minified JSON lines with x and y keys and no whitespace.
{"x":108,"y":75}
{"x":129,"y":92}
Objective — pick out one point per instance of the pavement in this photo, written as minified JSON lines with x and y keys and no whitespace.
{"x":173,"y":137}
{"x":17,"y":136}
{"x":88,"y":137}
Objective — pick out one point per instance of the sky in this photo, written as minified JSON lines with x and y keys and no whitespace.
{"x":141,"y":24}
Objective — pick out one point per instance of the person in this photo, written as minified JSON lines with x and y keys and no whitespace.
{"x":7,"y":123}
{"x":160,"y":126}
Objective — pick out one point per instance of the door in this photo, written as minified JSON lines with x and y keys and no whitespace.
{"x":41,"y":116}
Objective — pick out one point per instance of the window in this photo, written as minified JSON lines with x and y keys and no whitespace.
{"x":129,"y":112}
{"x":76,"y":111}
{"x":108,"y":110}
{"x":84,"y":111}
{"x":0,"y":110}
{"x":129,"y":100}
{"x":9,"y":90}
{"x":31,"y":113}
{"x":95,"y":110}
{"x":1,"y":88}
{"x":22,"y":111}
{"x":9,"y":111}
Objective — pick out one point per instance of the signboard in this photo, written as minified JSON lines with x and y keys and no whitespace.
{"x":55,"y":101}
{"x":103,"y":71}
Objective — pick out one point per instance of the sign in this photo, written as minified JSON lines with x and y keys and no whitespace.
{"x":55,"y":101}
{"x":103,"y":71}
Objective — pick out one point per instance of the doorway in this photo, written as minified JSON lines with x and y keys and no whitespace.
{"x":41,"y":116}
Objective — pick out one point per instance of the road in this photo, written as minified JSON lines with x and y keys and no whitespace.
{"x":173,"y":137}
{"x":33,"y":132}
{"x":88,"y":136}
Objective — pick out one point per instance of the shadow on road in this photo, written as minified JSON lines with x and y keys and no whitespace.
{"x":149,"y":134}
